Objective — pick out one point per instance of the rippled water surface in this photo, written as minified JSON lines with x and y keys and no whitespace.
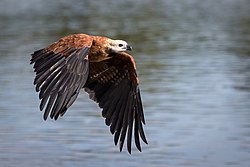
{"x":193,"y":60}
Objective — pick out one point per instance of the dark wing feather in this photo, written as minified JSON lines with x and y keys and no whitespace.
{"x":59,"y":78}
{"x":110,"y":84}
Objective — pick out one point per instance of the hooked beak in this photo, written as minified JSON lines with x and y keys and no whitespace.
{"x":129,"y":48}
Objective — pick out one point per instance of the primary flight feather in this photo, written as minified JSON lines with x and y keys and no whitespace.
{"x":104,"y":70}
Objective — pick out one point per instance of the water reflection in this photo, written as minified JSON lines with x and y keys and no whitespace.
{"x":193,"y":62}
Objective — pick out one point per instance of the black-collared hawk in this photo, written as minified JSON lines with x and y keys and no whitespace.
{"x":104,"y":70}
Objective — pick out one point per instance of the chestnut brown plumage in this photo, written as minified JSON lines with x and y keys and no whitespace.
{"x":107,"y":73}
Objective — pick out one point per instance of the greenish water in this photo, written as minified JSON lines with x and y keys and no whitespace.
{"x":193,"y":60}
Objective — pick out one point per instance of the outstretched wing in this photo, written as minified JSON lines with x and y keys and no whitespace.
{"x":113,"y":84}
{"x":61,"y":71}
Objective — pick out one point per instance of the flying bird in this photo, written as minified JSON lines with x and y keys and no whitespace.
{"x":101,"y":67}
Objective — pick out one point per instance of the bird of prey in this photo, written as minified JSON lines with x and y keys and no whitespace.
{"x":101,"y":67}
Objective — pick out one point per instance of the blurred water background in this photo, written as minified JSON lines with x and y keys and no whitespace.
{"x":193,"y":60}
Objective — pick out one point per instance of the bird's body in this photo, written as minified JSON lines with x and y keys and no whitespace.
{"x":107,"y":73}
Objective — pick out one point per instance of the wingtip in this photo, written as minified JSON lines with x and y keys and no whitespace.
{"x":143,"y":137}
{"x":45,"y":117}
{"x":129,"y":151}
{"x":120,"y":149}
{"x":139,"y":148}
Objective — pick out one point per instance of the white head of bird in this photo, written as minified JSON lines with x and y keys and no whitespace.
{"x":119,"y":46}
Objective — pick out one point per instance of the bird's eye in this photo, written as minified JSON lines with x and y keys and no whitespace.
{"x":120,"y":45}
